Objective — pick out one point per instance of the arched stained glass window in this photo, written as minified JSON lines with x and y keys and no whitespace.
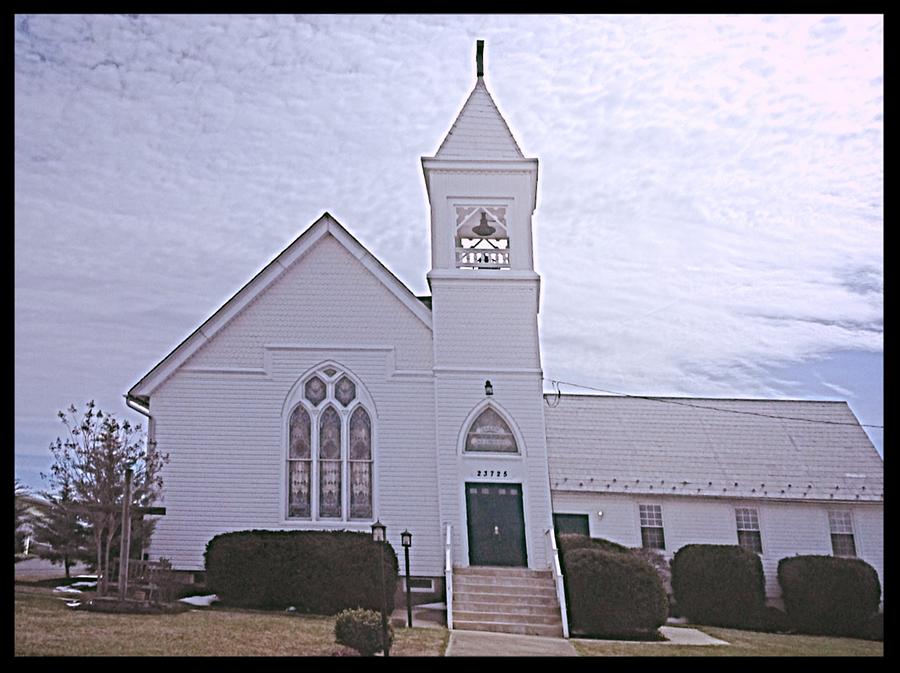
{"x":300,"y":464}
{"x":315,"y":390}
{"x":330,"y":464}
{"x":489,"y":432}
{"x":360,"y":465}
{"x":345,"y":391}
{"x":330,"y":449}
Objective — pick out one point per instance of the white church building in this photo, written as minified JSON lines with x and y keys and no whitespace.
{"x":325,"y":395}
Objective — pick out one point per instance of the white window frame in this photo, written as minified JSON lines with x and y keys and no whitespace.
{"x":656,"y":513}
{"x":845,"y":528}
{"x":296,"y":398}
{"x":747,"y":521}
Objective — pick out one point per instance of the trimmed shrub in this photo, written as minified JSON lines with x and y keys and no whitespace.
{"x":873,"y":629}
{"x":719,"y":585}
{"x":659,"y":561}
{"x":361,"y":630}
{"x":770,"y":620}
{"x":320,"y":572}
{"x":613,"y":594}
{"x":569,"y":542}
{"x":827,"y":595}
{"x":572,"y":541}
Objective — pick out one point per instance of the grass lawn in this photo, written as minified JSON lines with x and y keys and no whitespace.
{"x":741,"y":644}
{"x":45,"y":626}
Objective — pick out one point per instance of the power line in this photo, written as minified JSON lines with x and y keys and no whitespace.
{"x":701,"y":406}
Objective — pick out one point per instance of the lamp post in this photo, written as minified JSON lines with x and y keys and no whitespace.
{"x":406,"y":541}
{"x":379,"y":535}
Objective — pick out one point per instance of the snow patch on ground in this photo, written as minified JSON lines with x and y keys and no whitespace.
{"x":202,"y":601}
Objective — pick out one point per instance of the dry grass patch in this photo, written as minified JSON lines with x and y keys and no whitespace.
{"x":45,"y":626}
{"x":741,"y":644}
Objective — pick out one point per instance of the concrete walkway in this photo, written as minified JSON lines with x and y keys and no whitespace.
{"x":676,"y":635}
{"x":487,"y":644}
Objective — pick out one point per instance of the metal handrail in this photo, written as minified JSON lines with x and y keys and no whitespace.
{"x":448,"y":577}
{"x":558,"y":576}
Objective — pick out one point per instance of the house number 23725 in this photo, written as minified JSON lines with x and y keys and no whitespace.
{"x":491,"y":473}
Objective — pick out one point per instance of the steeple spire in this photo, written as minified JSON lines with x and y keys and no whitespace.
{"x":479,"y":58}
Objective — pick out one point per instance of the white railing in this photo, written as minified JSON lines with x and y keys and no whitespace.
{"x":557,"y":575}
{"x":448,"y":578}
{"x":482,"y":259}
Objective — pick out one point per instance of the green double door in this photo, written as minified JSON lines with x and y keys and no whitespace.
{"x":496,"y":525}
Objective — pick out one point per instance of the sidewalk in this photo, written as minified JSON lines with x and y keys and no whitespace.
{"x":487,"y":644}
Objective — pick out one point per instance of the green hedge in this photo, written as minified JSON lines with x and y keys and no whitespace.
{"x":719,"y":585}
{"x":569,"y":542}
{"x":572,"y":541}
{"x":613,"y":594}
{"x":320,"y":572}
{"x":829,"y":596}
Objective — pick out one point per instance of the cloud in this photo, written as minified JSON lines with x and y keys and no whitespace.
{"x":697,"y":173}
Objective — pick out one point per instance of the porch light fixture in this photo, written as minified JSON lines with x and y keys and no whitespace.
{"x":488,"y":388}
{"x":379,"y":534}
{"x":406,"y":541}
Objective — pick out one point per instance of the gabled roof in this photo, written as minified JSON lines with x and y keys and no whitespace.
{"x":479,"y":132}
{"x":713,"y":447}
{"x":326,"y":225}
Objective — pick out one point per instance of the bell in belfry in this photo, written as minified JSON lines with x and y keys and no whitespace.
{"x":483,"y":228}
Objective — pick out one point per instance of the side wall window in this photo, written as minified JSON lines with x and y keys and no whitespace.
{"x":652,"y":536}
{"x":748,"y":529}
{"x":330,"y":461}
{"x":841,"y":525}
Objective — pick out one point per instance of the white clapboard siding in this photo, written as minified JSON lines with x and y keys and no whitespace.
{"x":224,"y":431}
{"x":786,"y":528}
{"x":518,"y":396}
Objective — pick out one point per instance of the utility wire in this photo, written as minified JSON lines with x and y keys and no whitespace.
{"x":701,"y":406}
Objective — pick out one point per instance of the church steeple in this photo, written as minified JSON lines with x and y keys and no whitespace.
{"x":485,"y":302}
{"x":482,"y":191}
{"x":480,"y":132}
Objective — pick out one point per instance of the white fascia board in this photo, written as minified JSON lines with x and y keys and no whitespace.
{"x":368,"y":260}
{"x":523,"y":165}
{"x":229,"y":310}
{"x":486,"y":166}
{"x":272,"y":271}
{"x":479,"y":276}
{"x":168,"y":365}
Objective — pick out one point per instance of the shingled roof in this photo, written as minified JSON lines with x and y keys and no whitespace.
{"x":479,"y":132}
{"x":713,"y":447}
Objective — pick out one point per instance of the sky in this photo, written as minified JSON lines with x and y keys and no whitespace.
{"x":709,"y":217}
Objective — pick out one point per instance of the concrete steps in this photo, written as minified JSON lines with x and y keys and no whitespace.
{"x":506,"y":600}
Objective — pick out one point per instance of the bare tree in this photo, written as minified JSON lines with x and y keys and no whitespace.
{"x":92,"y":460}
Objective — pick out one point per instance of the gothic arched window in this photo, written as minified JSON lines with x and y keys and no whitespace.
{"x":299,"y":464}
{"x":330,"y":464}
{"x":360,"y":465}
{"x":489,"y":432}
{"x":329,"y":446}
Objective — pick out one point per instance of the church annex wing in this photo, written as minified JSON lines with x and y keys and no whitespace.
{"x":326,"y":225}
